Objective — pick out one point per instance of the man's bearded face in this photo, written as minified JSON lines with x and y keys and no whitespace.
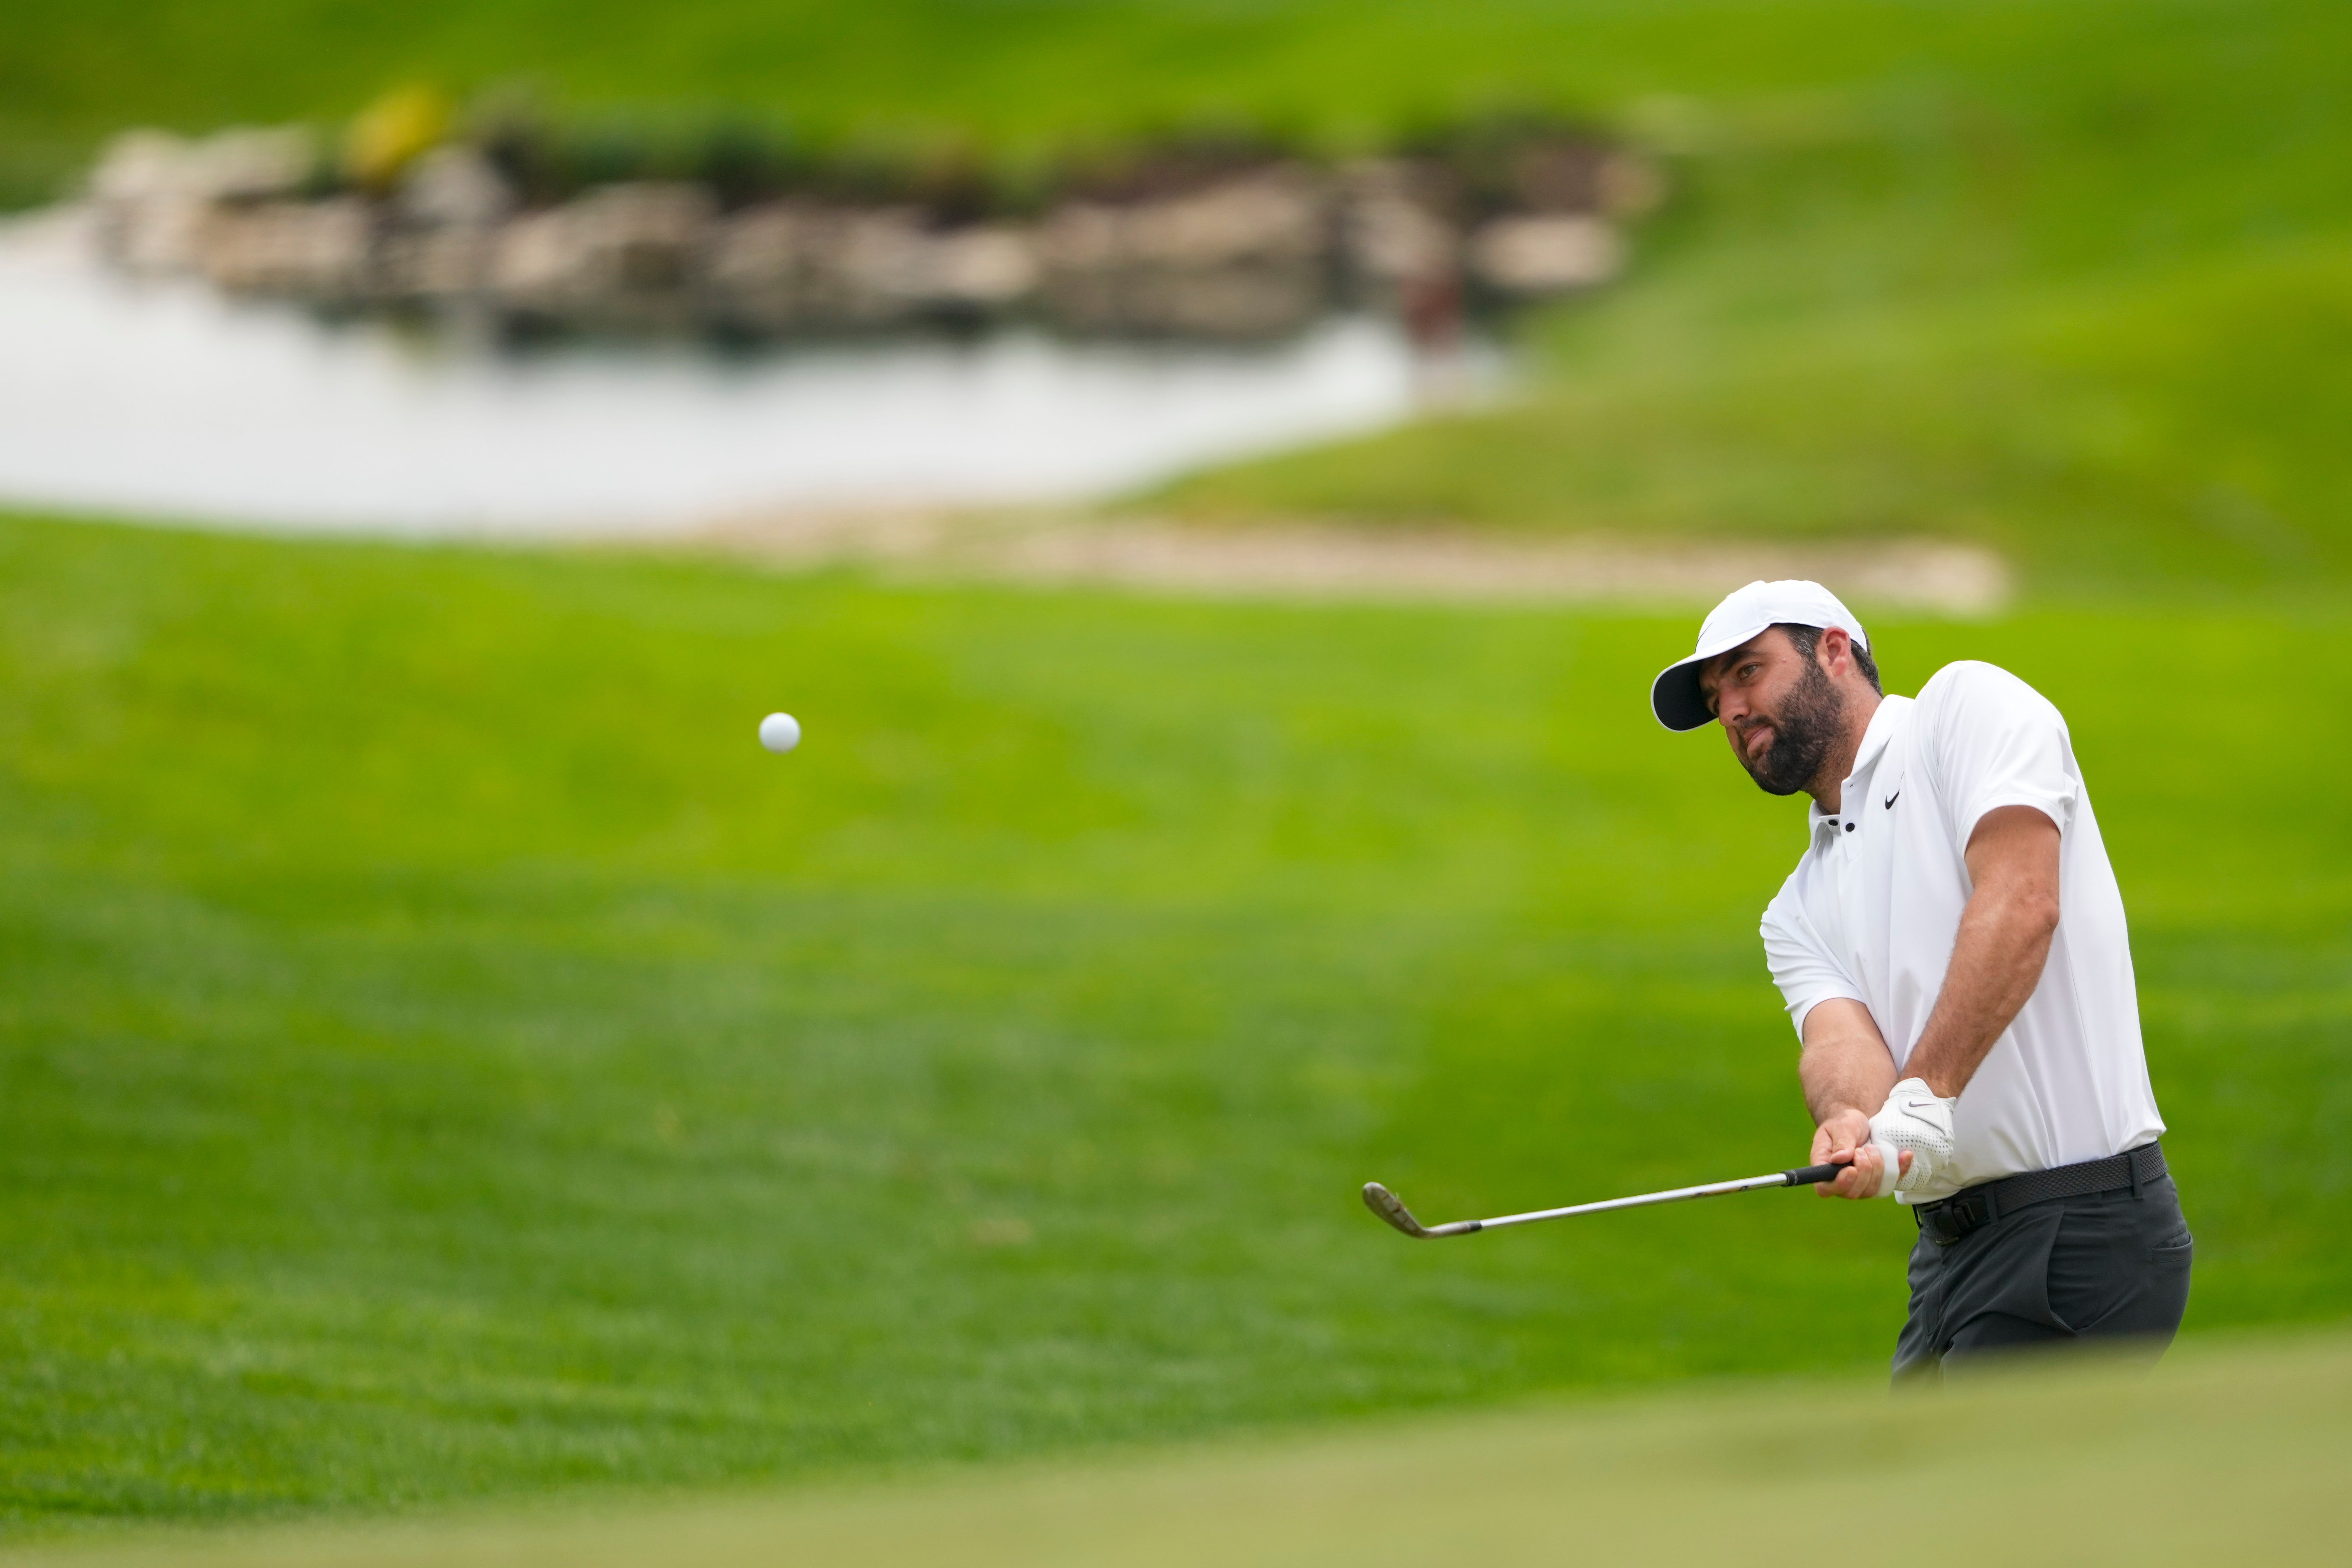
{"x":1810,"y":716}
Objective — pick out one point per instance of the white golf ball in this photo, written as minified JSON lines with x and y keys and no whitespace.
{"x":780,"y":732}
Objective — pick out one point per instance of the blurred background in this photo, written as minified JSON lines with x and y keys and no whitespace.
{"x":1214,"y":482}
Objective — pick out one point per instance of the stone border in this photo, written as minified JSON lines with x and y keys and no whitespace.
{"x":1250,"y":246}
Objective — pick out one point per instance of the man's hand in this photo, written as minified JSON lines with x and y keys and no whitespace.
{"x":1917,"y":1120}
{"x":1844,"y":1139}
{"x":1846,"y":1070}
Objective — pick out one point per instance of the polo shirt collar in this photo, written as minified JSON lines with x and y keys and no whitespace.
{"x":1892,"y":711}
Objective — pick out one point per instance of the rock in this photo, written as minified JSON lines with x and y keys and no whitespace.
{"x":154,"y":192}
{"x":244,"y":165}
{"x":786,"y":265}
{"x":1544,"y":255}
{"x":313,"y":250}
{"x":1247,"y":256}
{"x":761,"y":270}
{"x":1397,"y":226}
{"x":1215,"y":301}
{"x":629,"y":251}
{"x":454,"y":187}
{"x":141,"y":166}
{"x":988,"y":266}
{"x":1279,"y":216}
{"x":875,"y":265}
{"x":151,"y":237}
{"x":452,"y":262}
{"x":791,"y":264}
{"x":443,"y":241}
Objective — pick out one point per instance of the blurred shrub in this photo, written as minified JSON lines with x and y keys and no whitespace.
{"x":389,"y":134}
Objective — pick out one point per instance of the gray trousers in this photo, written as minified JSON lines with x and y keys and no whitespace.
{"x":2103,"y":1267}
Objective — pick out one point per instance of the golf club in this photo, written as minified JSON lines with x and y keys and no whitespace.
{"x":1390,"y":1207}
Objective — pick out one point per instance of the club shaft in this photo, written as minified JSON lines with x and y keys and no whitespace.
{"x":1643,"y":1200}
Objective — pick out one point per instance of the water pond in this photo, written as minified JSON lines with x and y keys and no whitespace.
{"x":164,"y":399}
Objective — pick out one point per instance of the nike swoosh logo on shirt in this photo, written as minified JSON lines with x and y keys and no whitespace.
{"x":1893,"y":798}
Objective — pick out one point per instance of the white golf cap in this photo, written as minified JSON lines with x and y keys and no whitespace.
{"x":1675,"y":696}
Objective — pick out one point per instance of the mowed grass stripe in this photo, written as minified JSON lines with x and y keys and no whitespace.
{"x":2232,"y":1453}
{"x":442,"y":1056}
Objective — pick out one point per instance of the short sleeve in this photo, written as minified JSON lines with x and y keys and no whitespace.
{"x":1994,"y":741}
{"x":1803,"y":967}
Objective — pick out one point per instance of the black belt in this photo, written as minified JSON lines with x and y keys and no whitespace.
{"x":1972,"y":1208}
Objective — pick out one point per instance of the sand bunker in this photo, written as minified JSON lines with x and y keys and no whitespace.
{"x":1337,"y":561}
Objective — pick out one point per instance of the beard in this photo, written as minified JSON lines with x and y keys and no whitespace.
{"x":1810,"y":719}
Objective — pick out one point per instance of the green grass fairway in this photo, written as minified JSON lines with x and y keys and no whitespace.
{"x":441,"y":1058}
{"x":1016,"y":73}
{"x":2230,"y":1458}
{"x":441,"y":1055}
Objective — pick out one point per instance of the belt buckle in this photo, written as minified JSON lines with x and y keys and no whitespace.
{"x":1955,"y":1216}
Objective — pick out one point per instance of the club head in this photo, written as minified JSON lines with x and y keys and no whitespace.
{"x":1390,"y":1207}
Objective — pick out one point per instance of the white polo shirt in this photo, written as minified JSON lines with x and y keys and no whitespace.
{"x":1872,"y":910}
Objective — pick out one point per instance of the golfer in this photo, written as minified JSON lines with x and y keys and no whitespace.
{"x":1953,"y":955}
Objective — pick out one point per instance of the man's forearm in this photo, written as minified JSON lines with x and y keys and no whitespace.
{"x":1838,"y":1080}
{"x":2002,"y":945}
{"x":1846,"y":1065}
{"x":1847,"y":1072}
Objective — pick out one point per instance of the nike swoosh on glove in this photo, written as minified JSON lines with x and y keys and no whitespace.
{"x":1917,"y":1121}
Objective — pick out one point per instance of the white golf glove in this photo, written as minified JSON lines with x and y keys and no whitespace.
{"x":1915,"y":1122}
